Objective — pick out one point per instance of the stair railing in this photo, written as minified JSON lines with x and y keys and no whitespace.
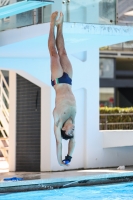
{"x":4,"y":116}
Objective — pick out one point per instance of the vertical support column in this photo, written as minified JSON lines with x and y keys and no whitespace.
{"x":92,"y":111}
{"x":12,"y":121}
{"x":45,"y":128}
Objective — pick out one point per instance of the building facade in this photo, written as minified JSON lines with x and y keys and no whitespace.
{"x":24,"y":53}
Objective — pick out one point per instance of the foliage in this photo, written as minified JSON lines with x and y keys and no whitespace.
{"x":122,"y":120}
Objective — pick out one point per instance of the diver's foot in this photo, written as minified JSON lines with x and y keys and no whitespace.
{"x":60,"y":20}
{"x":53,"y":18}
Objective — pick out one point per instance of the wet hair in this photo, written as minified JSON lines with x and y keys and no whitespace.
{"x":65,"y":136}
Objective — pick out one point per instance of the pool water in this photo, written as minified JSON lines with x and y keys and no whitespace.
{"x":104,"y":192}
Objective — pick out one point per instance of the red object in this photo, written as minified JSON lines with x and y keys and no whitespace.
{"x":111,"y":100}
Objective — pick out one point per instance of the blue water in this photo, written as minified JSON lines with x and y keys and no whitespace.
{"x":105,"y":192}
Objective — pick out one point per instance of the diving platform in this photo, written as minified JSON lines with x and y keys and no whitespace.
{"x":23,"y":6}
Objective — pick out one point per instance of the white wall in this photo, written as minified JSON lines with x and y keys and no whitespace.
{"x":89,"y":152}
{"x":46,"y":118}
{"x":117,"y":138}
{"x":12,"y":120}
{"x":30,"y":59}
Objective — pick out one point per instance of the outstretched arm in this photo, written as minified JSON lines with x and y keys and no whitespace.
{"x":71,"y":146}
{"x":58,"y":145}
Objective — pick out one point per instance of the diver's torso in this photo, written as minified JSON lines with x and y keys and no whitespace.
{"x":65,"y":103}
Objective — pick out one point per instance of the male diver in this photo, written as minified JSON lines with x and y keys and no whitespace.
{"x":61,"y":79}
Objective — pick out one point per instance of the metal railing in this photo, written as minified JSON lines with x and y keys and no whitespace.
{"x":125,"y":46}
{"x":4,"y":116}
{"x":120,"y":121}
{"x":4,"y":2}
{"x":4,"y":97}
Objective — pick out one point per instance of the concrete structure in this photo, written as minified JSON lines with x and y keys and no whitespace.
{"x":24,"y":51}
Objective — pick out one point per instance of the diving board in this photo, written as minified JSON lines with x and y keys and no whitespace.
{"x":23,"y":6}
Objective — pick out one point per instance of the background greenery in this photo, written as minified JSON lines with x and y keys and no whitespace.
{"x":120,"y":121}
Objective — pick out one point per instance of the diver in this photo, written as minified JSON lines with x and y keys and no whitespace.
{"x":61,"y":79}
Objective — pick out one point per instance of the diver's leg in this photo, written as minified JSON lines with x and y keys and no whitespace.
{"x":56,"y":69}
{"x":65,"y":63}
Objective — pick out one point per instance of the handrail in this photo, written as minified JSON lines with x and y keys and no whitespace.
{"x":119,"y":47}
{"x":4,"y":124}
{"x":5,"y":112}
{"x":4,"y":81}
{"x":4,"y":2}
{"x":3,"y":95}
{"x":2,"y":129}
{"x":4,"y":116}
{"x":105,"y":124}
{"x":2,"y":138}
{"x":116,"y":114}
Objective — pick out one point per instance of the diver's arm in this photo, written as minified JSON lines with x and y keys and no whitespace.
{"x":71,"y":146}
{"x":58,"y":145}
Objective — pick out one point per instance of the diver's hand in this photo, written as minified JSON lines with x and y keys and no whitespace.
{"x":66,"y":162}
{"x":63,"y":164}
{"x":67,"y":159}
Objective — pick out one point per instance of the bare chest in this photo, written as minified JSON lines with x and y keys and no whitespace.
{"x":63,"y":112}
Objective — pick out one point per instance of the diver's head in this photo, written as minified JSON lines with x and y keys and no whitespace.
{"x":67,"y":131}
